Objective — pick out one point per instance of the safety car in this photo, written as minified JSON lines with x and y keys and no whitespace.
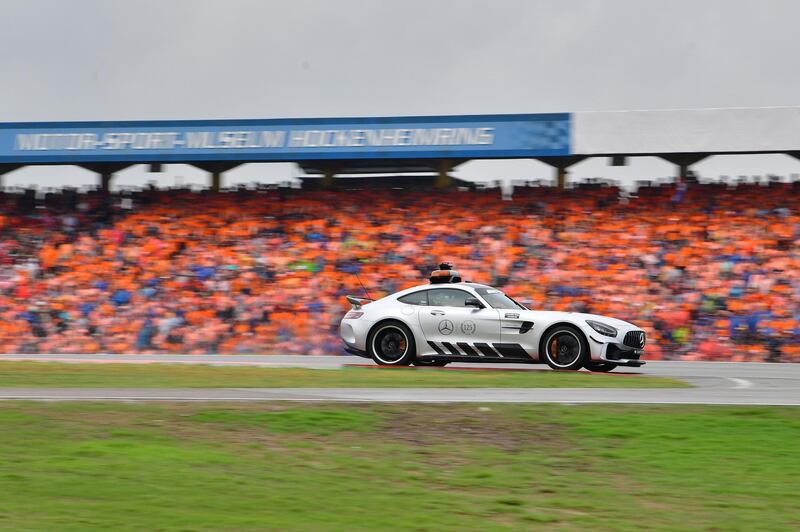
{"x":450,"y":320}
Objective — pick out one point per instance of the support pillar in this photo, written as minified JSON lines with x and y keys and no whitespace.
{"x":327,"y":179}
{"x":216,"y":169}
{"x":561,"y":164}
{"x":105,"y":182}
{"x":106,"y":171}
{"x":216,"y":180}
{"x":329,"y":171}
{"x":443,"y":178}
{"x":561,"y":176}
{"x":684,"y":161}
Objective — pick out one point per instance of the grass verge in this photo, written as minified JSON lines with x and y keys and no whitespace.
{"x":63,"y":375}
{"x":77,"y":466}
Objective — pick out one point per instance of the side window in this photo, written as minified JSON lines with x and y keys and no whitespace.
{"x":447,"y":297}
{"x":416,"y":298}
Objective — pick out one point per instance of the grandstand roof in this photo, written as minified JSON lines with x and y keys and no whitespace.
{"x":402,"y":144}
{"x":742,"y":130}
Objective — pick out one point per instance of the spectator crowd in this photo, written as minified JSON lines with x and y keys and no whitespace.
{"x":710,"y":272}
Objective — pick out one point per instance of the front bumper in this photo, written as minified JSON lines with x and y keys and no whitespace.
{"x":616,"y":352}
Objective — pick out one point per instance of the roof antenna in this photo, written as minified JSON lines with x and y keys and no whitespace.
{"x":362,"y":286}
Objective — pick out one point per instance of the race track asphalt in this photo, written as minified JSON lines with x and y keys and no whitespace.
{"x":731,"y":383}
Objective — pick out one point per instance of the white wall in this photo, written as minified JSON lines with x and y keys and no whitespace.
{"x":699,"y":130}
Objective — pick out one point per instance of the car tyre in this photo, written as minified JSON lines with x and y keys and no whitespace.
{"x":391,"y":343}
{"x":565,"y":348}
{"x":600,"y":367}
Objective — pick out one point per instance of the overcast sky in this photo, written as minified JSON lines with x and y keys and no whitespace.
{"x":194,"y":59}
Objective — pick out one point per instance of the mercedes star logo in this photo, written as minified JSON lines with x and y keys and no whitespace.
{"x":446,"y":327}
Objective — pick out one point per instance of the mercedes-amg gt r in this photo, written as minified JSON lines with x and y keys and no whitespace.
{"x":450,"y":320}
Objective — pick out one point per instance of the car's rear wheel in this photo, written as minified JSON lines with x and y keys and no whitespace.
{"x":565,"y":348}
{"x":600,"y":367}
{"x":391,"y":344}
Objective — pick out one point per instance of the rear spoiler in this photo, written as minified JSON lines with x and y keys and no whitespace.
{"x":357,"y":302}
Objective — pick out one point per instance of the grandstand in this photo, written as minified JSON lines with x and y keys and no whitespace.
{"x":709,"y":271}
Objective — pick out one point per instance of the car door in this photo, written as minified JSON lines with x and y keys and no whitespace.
{"x":452,"y":328}
{"x":517,"y":329}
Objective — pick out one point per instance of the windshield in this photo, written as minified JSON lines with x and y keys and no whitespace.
{"x":498,"y":299}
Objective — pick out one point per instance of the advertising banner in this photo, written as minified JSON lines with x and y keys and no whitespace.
{"x":487,"y":136}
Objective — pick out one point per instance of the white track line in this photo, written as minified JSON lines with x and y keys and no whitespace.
{"x":183,"y":399}
{"x":740,"y":383}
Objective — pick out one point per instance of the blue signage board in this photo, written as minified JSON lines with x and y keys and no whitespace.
{"x":457,"y":137}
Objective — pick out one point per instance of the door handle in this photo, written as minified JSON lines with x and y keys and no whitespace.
{"x":437,"y":312}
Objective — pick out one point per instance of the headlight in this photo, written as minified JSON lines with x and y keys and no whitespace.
{"x":602,"y":328}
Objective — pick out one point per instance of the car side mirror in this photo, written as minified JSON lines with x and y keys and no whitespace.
{"x":473,"y":302}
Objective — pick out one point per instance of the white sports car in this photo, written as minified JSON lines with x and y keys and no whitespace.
{"x":454,"y":321}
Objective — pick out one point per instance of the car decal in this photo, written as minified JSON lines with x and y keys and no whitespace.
{"x":487,"y":350}
{"x":480,"y":349}
{"x":449,"y":347}
{"x":468,"y":327}
{"x":436,"y":348}
{"x":468,"y":350}
{"x":511,"y":350}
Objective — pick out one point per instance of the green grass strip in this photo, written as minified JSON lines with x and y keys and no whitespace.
{"x":118,"y":375}
{"x":101,"y":466}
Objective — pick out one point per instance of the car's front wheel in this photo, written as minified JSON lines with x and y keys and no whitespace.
{"x":565,"y":348}
{"x":600,"y":367}
{"x":391,"y":344}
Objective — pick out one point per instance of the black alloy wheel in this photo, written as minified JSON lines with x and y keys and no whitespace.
{"x":565,"y":348}
{"x":391,"y":344}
